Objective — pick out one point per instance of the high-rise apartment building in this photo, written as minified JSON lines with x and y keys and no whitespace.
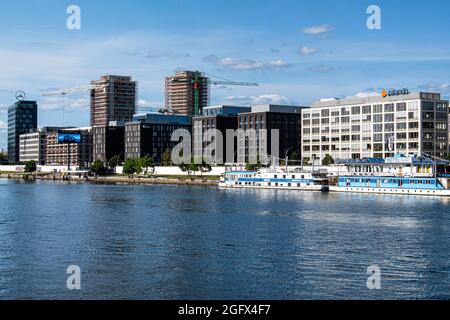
{"x":187,"y":91}
{"x":380,"y":127}
{"x":22,"y":118}
{"x":113,"y":98}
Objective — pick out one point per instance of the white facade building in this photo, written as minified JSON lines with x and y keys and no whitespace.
{"x":379,"y":127}
{"x":32,"y":147}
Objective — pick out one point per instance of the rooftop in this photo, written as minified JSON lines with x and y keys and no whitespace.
{"x":277,"y":108}
{"x":155,"y":118}
{"x":376,"y":99}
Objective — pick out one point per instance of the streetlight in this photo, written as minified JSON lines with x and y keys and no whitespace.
{"x":287,"y":158}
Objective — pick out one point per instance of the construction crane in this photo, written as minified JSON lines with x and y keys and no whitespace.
{"x":197,"y":82}
{"x":141,"y":109}
{"x":64,"y":92}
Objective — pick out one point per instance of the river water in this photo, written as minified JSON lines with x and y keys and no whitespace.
{"x":181,"y":242}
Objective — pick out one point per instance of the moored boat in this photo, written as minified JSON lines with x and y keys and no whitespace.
{"x":405,"y":175}
{"x":278,"y":178}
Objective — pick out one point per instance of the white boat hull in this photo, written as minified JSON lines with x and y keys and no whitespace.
{"x":305,"y":188}
{"x":412,"y":192}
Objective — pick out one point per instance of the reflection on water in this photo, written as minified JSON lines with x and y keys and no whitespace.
{"x":167,"y":242}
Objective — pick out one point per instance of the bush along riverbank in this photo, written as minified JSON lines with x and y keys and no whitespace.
{"x":117,"y":179}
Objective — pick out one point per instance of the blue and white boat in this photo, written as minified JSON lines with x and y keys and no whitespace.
{"x":281,"y":179}
{"x":405,"y":175}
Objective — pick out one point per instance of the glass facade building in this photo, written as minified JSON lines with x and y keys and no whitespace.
{"x":22,"y":118}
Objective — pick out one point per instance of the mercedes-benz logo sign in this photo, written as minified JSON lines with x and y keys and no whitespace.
{"x":20,"y":95}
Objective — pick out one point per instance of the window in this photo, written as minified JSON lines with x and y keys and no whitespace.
{"x":389,"y":127}
{"x":428,"y":106}
{"x":366,"y":109}
{"x":377,"y":108}
{"x":378,"y":118}
{"x":377,"y":128}
{"x":389,"y":107}
{"x":378,"y":137}
{"x":401,"y":107}
{"x":356,"y":110}
{"x":389,"y":117}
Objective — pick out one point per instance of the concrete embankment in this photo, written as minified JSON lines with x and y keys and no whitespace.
{"x":195,"y":181}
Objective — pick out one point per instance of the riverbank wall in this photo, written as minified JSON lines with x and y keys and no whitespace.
{"x":194,"y":181}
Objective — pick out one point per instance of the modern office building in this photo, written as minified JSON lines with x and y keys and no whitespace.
{"x":113,"y":98}
{"x":285,"y":120}
{"x":33,"y":146}
{"x":109,"y":141}
{"x":151,"y":134}
{"x":225,"y":110}
{"x":220,"y":118}
{"x":380,"y":127}
{"x":80,"y":153}
{"x":183,"y":89}
{"x":22,"y":118}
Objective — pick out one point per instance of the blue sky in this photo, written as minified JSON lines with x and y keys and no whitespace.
{"x":299,"y":51}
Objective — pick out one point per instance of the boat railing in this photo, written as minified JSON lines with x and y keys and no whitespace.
{"x":389,"y":174}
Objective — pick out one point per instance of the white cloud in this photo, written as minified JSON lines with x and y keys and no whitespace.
{"x":71,"y":104}
{"x":246,"y":64}
{"x":261,"y":99}
{"x":146,"y":103}
{"x":318,"y":30}
{"x":443,"y":88}
{"x":307,"y":51}
{"x":368,"y":93}
{"x":169,"y":55}
{"x":321,"y":68}
{"x":212,"y":58}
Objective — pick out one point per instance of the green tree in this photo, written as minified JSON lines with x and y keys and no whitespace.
{"x":3,"y":157}
{"x":113,"y":162}
{"x":130,"y":167}
{"x":30,"y":166}
{"x":166,"y":158}
{"x":254,"y":166}
{"x":205,"y":167}
{"x":98,"y":168}
{"x":193,"y":167}
{"x":328,"y":160}
{"x":144,"y":163}
{"x":183,"y":167}
{"x":294,"y":156}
